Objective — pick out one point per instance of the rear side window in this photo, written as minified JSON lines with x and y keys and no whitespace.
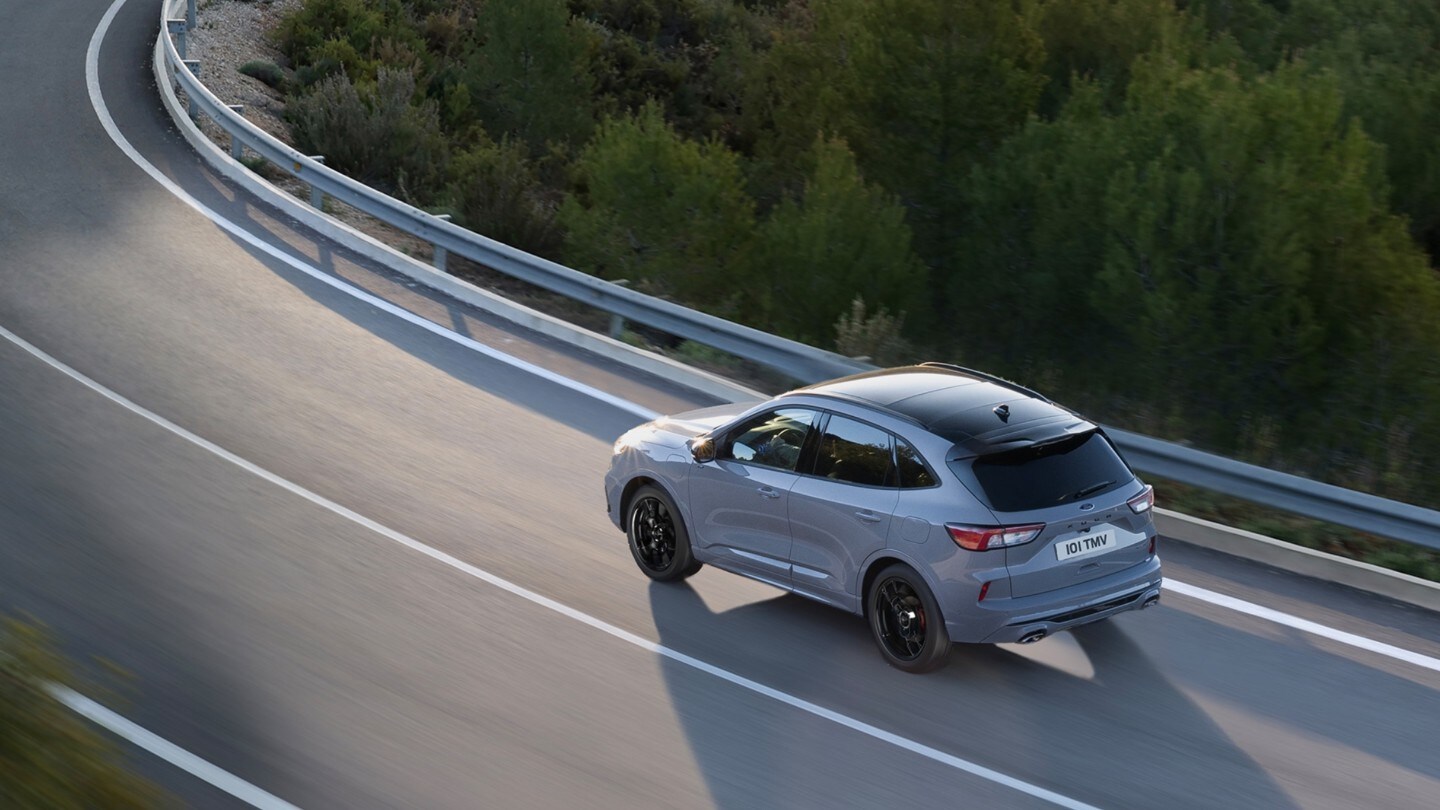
{"x":1052,"y":474}
{"x":855,"y":453}
{"x":913,"y":472}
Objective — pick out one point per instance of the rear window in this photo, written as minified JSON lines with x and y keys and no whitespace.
{"x":1052,"y":474}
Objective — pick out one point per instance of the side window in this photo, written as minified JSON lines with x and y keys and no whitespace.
{"x":913,"y":472}
{"x":856,"y":453}
{"x":773,"y":439}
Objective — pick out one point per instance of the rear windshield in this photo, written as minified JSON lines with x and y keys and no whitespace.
{"x":1055,"y":473}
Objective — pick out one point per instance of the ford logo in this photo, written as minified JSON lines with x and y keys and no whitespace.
{"x":1086,"y":507}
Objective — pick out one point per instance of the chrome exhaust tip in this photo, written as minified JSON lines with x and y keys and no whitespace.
{"x":1151,"y":602}
{"x":1032,"y":637}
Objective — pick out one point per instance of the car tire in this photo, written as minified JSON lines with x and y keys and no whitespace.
{"x":658,"y":539}
{"x":905,"y":620}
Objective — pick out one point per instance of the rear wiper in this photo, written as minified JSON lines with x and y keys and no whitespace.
{"x":1086,"y":491}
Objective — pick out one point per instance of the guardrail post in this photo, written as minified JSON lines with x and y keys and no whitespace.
{"x":192,"y":65}
{"x":177,"y":28}
{"x":617,"y":322}
{"x":190,"y":15}
{"x":237,"y":146}
{"x":317,"y":197}
{"x":441,"y":256}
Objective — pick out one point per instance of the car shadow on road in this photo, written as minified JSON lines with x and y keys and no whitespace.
{"x":1126,"y":737}
{"x":1359,"y":725}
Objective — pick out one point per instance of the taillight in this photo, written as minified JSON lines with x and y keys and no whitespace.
{"x":981,"y":538}
{"x":1152,"y":545}
{"x":1143,"y":502}
{"x":984,"y":589}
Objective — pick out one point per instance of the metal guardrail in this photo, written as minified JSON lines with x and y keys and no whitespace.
{"x":1292,"y":493}
{"x":798,"y":360}
{"x":1313,"y":499}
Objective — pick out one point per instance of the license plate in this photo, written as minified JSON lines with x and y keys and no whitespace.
{"x":1084,"y":545}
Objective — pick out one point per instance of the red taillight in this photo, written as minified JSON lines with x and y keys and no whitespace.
{"x":1143,"y":502}
{"x":984,"y":589}
{"x":982,"y":538}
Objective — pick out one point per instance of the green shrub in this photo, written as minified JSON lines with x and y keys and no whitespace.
{"x":497,"y":195}
{"x":50,"y":757}
{"x":332,"y":58}
{"x":319,"y":20}
{"x":373,"y":132}
{"x":267,"y":72}
{"x":875,"y":336}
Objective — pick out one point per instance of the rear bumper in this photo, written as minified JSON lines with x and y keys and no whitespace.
{"x":1006,"y":620}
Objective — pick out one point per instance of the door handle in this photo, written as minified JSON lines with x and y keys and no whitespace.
{"x":867,"y":516}
{"x":767,"y":492}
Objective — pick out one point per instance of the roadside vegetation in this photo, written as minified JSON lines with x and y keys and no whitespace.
{"x":50,"y":757}
{"x":1213,"y":221}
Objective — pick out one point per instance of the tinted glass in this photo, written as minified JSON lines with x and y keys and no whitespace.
{"x":856,"y":453}
{"x":773,"y":439}
{"x":913,"y":472}
{"x":1037,"y":477}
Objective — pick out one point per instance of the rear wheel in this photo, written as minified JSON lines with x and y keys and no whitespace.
{"x":657,"y":535}
{"x":905,"y":620}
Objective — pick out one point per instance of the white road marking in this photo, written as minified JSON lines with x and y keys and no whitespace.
{"x":1303,"y":625}
{"x":545,"y":601}
{"x":168,"y":751}
{"x":210,"y":772}
{"x":92,"y":80}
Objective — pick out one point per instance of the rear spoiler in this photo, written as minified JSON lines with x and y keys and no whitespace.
{"x":1037,"y":433}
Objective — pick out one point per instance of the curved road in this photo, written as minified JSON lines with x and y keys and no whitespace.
{"x":339,"y":595}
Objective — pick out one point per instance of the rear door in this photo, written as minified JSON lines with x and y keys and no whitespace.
{"x":842,"y":512}
{"x":1078,"y":488}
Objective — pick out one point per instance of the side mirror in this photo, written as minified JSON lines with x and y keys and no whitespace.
{"x":702,"y":449}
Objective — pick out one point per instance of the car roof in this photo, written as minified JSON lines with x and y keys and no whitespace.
{"x":979,"y":412}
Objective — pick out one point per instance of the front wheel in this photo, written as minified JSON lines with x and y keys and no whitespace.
{"x":905,"y":620}
{"x":657,"y":536}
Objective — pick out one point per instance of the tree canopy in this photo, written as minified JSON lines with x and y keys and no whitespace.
{"x":1210,"y":219}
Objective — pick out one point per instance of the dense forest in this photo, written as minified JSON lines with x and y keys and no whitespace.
{"x":1214,"y":220}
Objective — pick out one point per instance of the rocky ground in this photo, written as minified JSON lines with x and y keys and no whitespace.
{"x":229,"y":33}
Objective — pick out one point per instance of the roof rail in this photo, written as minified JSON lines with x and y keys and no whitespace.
{"x":989,"y":378}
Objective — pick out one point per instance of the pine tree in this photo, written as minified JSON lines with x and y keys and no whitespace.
{"x":839,"y":240}
{"x":654,"y":208}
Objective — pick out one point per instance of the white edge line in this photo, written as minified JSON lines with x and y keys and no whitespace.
{"x":92,"y":78}
{"x":92,"y":81}
{"x":168,"y":751}
{"x":1303,"y":625}
{"x":545,"y":601}
{"x":96,"y":712}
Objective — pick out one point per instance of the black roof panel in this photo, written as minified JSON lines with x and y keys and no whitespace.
{"x":959,"y":406}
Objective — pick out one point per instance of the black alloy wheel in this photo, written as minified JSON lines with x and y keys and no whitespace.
{"x":658,"y":539}
{"x":906,"y":621}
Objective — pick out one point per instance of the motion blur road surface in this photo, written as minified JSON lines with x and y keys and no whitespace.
{"x":325,"y":662}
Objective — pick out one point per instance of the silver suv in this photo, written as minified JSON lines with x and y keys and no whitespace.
{"x":941,"y":503}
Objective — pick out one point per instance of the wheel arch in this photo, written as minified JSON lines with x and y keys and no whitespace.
{"x":644,"y":479}
{"x":876,"y":563}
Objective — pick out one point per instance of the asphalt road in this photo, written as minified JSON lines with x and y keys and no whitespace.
{"x":325,"y":661}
